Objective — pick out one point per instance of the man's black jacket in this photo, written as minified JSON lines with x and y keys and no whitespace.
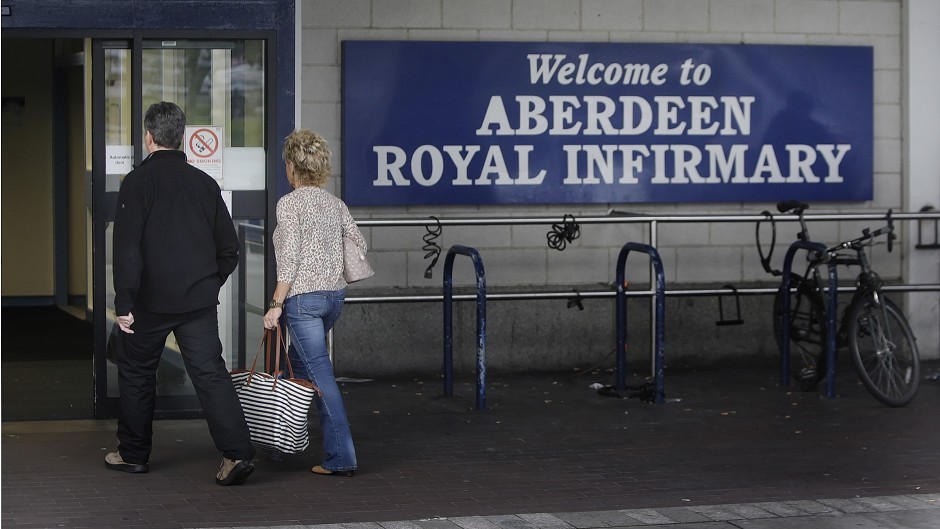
{"x":174,"y":240}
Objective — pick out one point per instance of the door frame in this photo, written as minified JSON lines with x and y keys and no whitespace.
{"x":245,"y":204}
{"x":273,"y":20}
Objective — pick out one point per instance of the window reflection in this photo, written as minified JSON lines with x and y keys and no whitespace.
{"x":119,"y":151}
{"x":217,"y":84}
{"x":252,"y":235}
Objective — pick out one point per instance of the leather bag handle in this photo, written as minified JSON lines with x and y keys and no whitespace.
{"x":278,"y":338}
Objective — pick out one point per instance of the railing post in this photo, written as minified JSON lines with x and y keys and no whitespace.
{"x":449,"y":326}
{"x":659,"y":316}
{"x":831,"y":308}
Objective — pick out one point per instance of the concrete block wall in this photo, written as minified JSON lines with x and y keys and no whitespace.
{"x":531,"y":335}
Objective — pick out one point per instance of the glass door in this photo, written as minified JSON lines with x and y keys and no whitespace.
{"x":221,"y":86}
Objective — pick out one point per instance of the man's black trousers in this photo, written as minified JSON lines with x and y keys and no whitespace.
{"x":197,"y":334}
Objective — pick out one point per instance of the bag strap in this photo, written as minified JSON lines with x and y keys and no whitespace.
{"x":272,"y":362}
{"x":274,"y":335}
{"x":254,"y":362}
{"x":272,"y":340}
{"x":282,"y":340}
{"x":266,"y":342}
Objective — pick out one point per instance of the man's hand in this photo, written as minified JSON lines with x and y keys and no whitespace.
{"x":125,"y":322}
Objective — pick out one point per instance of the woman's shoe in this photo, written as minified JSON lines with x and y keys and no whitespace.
{"x":324,"y":472}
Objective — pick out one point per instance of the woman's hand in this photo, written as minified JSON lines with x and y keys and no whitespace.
{"x":271,"y":317}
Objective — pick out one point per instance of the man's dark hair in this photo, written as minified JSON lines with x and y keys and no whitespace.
{"x":166,"y":123}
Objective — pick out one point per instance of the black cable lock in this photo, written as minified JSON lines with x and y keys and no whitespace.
{"x":431,"y":247}
{"x":563,"y":233}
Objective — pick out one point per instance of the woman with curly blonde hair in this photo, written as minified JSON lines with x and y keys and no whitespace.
{"x":308,"y":246}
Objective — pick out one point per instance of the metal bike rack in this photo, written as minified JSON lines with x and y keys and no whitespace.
{"x":652,"y":223}
{"x":660,"y":317}
{"x":831,"y":307}
{"x":449,"y":324}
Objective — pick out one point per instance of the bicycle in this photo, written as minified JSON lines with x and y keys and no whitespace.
{"x":878,"y":335}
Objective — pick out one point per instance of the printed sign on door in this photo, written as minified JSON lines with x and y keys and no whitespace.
{"x":204,"y":147}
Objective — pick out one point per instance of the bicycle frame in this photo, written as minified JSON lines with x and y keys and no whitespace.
{"x":867,"y":285}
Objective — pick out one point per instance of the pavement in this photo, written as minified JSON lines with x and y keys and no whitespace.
{"x":729,"y":449}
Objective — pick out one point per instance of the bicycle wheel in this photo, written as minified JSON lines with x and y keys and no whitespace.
{"x":807,"y":333}
{"x":884,"y":350}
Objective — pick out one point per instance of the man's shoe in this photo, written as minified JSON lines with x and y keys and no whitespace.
{"x":233,"y":472}
{"x":114,"y":461}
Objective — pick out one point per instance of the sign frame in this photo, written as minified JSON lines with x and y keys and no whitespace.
{"x":501,"y":123}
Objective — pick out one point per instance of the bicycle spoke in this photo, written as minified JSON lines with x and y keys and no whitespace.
{"x":892,"y":385}
{"x":880,"y":369}
{"x":896,"y":366}
{"x":899,"y":370}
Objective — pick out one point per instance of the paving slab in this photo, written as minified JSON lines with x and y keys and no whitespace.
{"x":729,"y":449}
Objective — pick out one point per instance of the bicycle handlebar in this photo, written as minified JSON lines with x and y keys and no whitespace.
{"x":867,"y":235}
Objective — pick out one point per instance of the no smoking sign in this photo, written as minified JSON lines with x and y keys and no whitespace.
{"x":204,"y":149}
{"x":204,"y":143}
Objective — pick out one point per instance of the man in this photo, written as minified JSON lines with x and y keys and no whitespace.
{"x":174,"y":247}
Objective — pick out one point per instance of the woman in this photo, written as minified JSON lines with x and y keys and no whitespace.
{"x":308,"y":246}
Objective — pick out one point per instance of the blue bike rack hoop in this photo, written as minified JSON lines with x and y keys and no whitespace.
{"x":449,"y":324}
{"x":831,"y":307}
{"x":660,"y":308}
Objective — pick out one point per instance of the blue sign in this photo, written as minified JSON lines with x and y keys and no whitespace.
{"x":563,"y":123}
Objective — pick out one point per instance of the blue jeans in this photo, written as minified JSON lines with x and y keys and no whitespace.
{"x":309,"y":316}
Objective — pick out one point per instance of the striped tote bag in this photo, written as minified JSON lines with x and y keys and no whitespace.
{"x":275,"y":406}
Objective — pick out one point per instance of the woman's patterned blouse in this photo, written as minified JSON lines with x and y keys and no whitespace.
{"x":308,"y":240}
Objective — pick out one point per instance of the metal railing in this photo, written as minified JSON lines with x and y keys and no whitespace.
{"x":653,"y":223}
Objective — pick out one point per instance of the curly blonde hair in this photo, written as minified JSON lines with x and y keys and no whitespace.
{"x":310,"y":155}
